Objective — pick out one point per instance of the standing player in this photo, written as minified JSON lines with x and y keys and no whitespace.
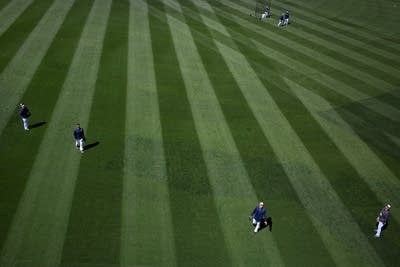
{"x":258,"y":216}
{"x":286,"y":18}
{"x":265,"y":14}
{"x":382,"y":219}
{"x":25,"y":114}
{"x":79,"y":136}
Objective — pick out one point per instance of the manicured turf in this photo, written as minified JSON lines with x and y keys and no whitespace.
{"x":194,"y":111}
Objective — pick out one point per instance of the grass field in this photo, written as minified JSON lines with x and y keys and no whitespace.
{"x":194,"y":112}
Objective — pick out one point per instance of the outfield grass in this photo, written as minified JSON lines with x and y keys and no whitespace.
{"x":194,"y":111}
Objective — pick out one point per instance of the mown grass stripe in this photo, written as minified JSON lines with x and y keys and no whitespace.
{"x":191,"y":197}
{"x":347,"y":245}
{"x":37,"y":234}
{"x":350,"y":48}
{"x":19,"y":148}
{"x":95,"y":239}
{"x":395,"y":139}
{"x":3,"y":3}
{"x":379,"y":178}
{"x":226,"y":172}
{"x":145,"y":241}
{"x":298,"y":67}
{"x":371,"y":128}
{"x":367,"y":36}
{"x":17,"y":75}
{"x":358,"y":77}
{"x":15,"y":35}
{"x":11,"y":12}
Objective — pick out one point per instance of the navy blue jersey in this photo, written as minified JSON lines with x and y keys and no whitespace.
{"x":24,"y":112}
{"x":79,"y":133}
{"x":286,"y":15}
{"x":259,"y":213}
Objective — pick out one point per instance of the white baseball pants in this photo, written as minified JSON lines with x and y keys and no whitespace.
{"x":79,"y":143}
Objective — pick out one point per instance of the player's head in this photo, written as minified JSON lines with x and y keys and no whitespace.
{"x":22,"y":105}
{"x":261,"y":204}
{"x":78,"y":125}
{"x":388,"y":206}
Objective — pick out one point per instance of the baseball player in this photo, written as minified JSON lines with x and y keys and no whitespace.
{"x":258,"y":216}
{"x":25,"y":114}
{"x":286,"y":18}
{"x":382,"y":219}
{"x":79,"y":136}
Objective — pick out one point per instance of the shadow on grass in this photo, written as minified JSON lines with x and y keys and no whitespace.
{"x":37,"y":125}
{"x":264,"y":224}
{"x":89,"y":146}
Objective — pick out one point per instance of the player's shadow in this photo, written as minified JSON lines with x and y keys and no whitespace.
{"x":265,"y":224}
{"x":91,"y":145}
{"x":36,"y":125}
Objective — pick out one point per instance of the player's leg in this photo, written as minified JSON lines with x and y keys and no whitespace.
{"x":26,"y":123}
{"x":257,"y":227}
{"x":81,"y":143}
{"x":379,"y":229}
{"x":264,"y":15}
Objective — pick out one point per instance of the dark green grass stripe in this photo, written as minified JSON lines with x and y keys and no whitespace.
{"x":15,"y":35}
{"x":346,"y":28}
{"x":94,"y":230}
{"x":371,"y":127}
{"x":199,"y":240}
{"x":392,"y":97}
{"x":351,"y":189}
{"x":18,"y":149}
{"x":324,"y":50}
{"x":266,"y":174}
{"x":3,"y":3}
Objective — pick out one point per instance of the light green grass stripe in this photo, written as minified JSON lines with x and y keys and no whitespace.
{"x":38,"y":230}
{"x":347,"y":245}
{"x":305,"y":50}
{"x":297,"y":66}
{"x":11,"y":12}
{"x":233,"y":193}
{"x":376,"y":174}
{"x":146,"y":237}
{"x":353,"y":30}
{"x":16,"y":76}
{"x":350,"y":53}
